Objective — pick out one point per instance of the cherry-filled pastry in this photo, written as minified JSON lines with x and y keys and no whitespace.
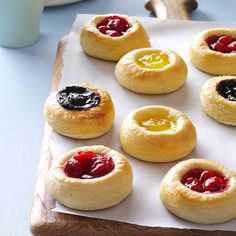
{"x":214,"y":51}
{"x":111,"y":36}
{"x":218,"y":99}
{"x":200,"y":191}
{"x":157,"y":134}
{"x":80,"y":111}
{"x":90,"y":178}
{"x":151,"y":71}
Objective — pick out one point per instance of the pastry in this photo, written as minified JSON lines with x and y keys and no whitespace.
{"x":90,"y":178}
{"x":218,"y":99}
{"x":151,"y":71}
{"x":80,"y":111}
{"x":111,"y":36}
{"x":200,"y":191}
{"x":214,"y":51}
{"x":157,"y":134}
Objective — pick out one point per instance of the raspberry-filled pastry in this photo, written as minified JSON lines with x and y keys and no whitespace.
{"x":109,"y":37}
{"x":200,"y":191}
{"x":214,"y":51}
{"x":90,"y":178}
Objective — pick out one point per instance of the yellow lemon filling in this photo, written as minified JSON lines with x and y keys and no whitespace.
{"x":159,"y":124}
{"x":156,"y":60}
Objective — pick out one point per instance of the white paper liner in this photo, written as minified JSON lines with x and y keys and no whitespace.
{"x":215,"y":141}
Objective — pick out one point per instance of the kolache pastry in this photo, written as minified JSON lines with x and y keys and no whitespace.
{"x":90,"y":178}
{"x":157,"y":134}
{"x":218,"y":99}
{"x":151,"y":71}
{"x":80,"y":111}
{"x":200,"y":191}
{"x":111,"y":36}
{"x":214,"y":51}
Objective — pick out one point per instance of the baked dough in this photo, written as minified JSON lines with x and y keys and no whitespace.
{"x":83,"y":124}
{"x":90,"y":194}
{"x":211,"y":61}
{"x":202,"y":208}
{"x":164,"y":146}
{"x":148,"y":80}
{"x":215,"y":105}
{"x":101,"y":46}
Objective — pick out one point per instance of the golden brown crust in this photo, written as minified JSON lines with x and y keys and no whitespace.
{"x":211,"y":61}
{"x":91,"y":194}
{"x":198,"y":207}
{"x":152,"y":146}
{"x":101,"y":46}
{"x":151,"y":81}
{"x":81,"y":124}
{"x":215,"y":105}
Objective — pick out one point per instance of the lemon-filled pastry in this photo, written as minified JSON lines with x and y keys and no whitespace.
{"x":111,"y":36}
{"x":151,"y":71}
{"x":157,"y":134}
{"x":218,"y":99}
{"x":214,"y":51}
{"x":90,"y":178}
{"x":200,"y":191}
{"x":80,"y":111}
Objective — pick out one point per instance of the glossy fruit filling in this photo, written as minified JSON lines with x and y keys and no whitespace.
{"x":159,"y":124}
{"x":222,"y":43}
{"x":227,"y":89}
{"x":114,"y":26}
{"x":157,"y":60}
{"x":78,"y":98}
{"x":205,"y":181}
{"x":88,"y":165}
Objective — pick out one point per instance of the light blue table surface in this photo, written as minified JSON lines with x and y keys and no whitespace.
{"x":25,"y":77}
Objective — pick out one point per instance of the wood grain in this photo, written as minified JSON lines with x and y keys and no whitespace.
{"x":171,"y":9}
{"x":44,"y":222}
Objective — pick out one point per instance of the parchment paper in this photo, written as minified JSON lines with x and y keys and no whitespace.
{"x":215,"y":141}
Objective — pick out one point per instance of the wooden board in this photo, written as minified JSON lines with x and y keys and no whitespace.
{"x":171,"y":9}
{"x":45,"y":222}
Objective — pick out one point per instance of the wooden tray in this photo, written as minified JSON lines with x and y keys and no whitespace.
{"x":45,"y":222}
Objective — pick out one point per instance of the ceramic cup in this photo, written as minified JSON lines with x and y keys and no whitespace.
{"x":19,"y":22}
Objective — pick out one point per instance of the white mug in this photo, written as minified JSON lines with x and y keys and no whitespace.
{"x":20,"y":22}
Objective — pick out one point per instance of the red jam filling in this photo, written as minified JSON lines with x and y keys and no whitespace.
{"x":88,"y":165}
{"x":114,"y":26}
{"x":205,"y":181}
{"x":222,"y":43}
